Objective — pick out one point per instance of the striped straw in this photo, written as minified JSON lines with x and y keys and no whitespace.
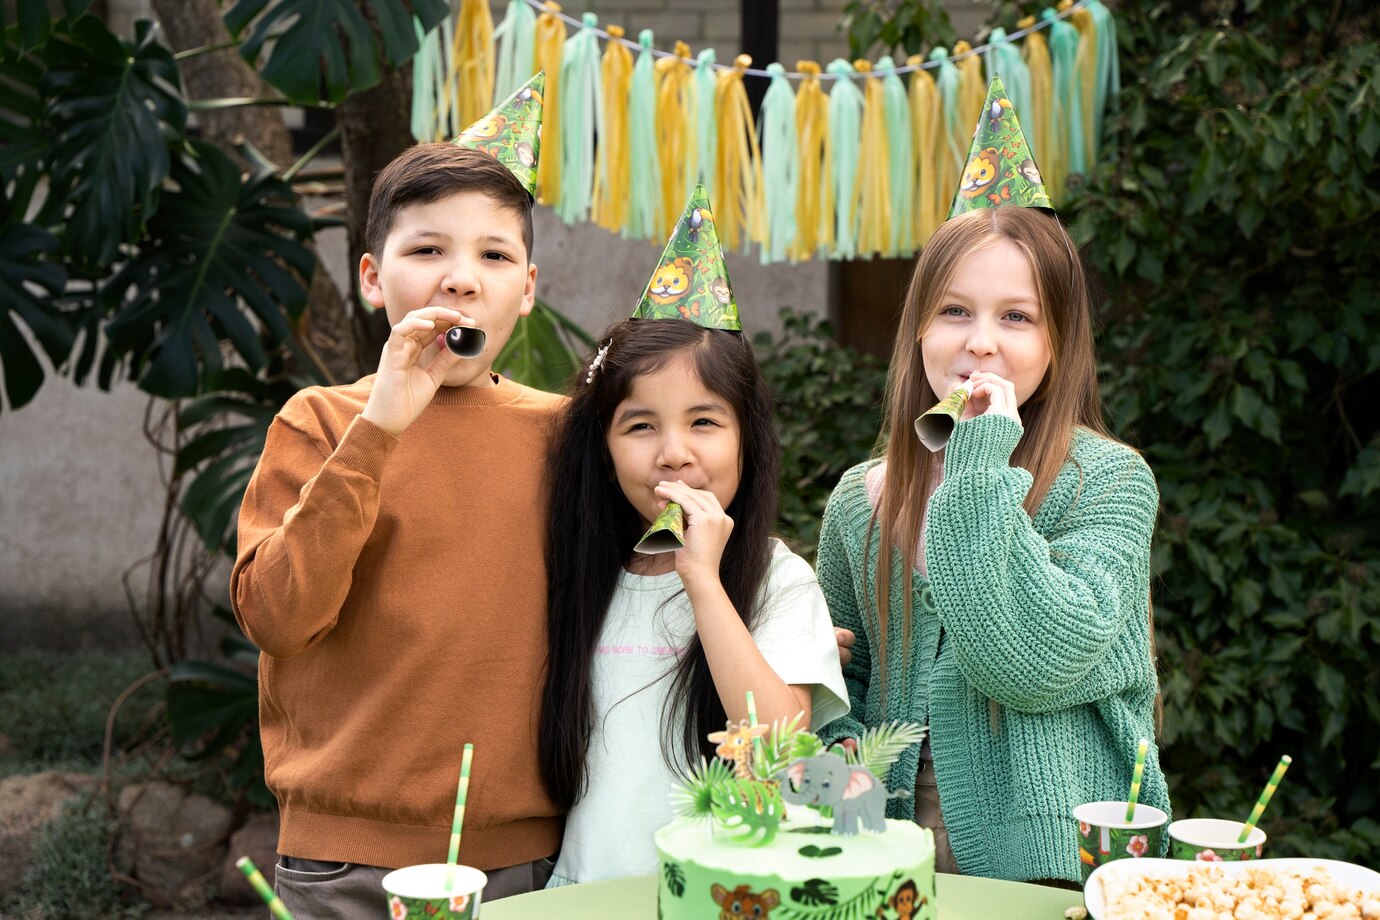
{"x":752,"y":723}
{"x":1136,"y":776}
{"x":256,"y":878}
{"x":458,"y":823}
{"x":1264,"y":800}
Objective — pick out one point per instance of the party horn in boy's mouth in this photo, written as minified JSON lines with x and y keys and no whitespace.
{"x":466,"y":341}
{"x":667,"y":532}
{"x":936,"y":426}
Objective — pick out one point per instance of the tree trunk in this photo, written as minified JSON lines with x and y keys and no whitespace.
{"x":326,"y":327}
{"x":375,"y":126}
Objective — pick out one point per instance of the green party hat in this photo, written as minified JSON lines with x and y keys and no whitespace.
{"x":511,"y":132}
{"x":1001,"y":169}
{"x":691,"y":280}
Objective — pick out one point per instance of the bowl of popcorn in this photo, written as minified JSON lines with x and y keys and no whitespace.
{"x":1265,"y":889}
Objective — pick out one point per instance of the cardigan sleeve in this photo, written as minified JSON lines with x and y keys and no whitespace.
{"x":838,"y":568}
{"x":306,"y":515}
{"x":1039,"y":624}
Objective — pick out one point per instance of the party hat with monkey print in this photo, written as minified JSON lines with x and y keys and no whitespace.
{"x":691,"y":280}
{"x":511,"y":132}
{"x":1001,"y":170}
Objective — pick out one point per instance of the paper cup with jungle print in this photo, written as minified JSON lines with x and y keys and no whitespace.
{"x":1104,"y":833}
{"x":420,"y":891}
{"x":1213,"y":840}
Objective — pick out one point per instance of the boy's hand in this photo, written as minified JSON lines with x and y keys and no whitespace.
{"x":414,"y":363}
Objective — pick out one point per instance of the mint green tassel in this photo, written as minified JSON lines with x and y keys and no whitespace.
{"x":513,"y":39}
{"x":1068,"y":96}
{"x":582,"y":117}
{"x":845,"y":143}
{"x":706,"y":81}
{"x":425,"y":66}
{"x":900,"y":159}
{"x":1108,"y":68}
{"x":946,"y":80}
{"x":780,"y":164}
{"x":1003,"y":59}
{"x":644,"y":170}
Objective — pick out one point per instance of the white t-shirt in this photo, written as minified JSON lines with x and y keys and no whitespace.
{"x":608,"y":834}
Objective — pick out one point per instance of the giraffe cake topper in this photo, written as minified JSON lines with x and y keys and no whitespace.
{"x":1000,"y":170}
{"x":511,"y":132}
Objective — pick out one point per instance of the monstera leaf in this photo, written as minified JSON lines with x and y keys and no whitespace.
{"x":23,"y":145}
{"x":221,"y":254}
{"x":29,"y":283}
{"x":113,"y":108}
{"x":546,"y":346}
{"x":327,"y":48}
{"x":235,"y":421}
{"x":32,"y":20}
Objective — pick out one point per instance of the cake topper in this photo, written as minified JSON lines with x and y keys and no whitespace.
{"x":787,"y":764}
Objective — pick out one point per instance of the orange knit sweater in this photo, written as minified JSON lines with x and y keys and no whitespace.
{"x":397,"y":589}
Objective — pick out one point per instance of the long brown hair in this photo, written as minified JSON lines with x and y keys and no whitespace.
{"x":1067,"y":396}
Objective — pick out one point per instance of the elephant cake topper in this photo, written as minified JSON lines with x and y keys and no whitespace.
{"x":761,"y":769}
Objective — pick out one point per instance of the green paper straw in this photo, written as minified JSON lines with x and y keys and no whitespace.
{"x":458,"y":823}
{"x":752,"y":723}
{"x":1136,"y":776}
{"x":1270,"y":788}
{"x":256,"y":878}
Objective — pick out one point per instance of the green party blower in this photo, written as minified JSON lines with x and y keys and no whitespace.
{"x":667,"y":532}
{"x":458,"y":822}
{"x":1136,"y":776}
{"x":936,"y":426}
{"x":275,"y":904}
{"x":1264,"y":800}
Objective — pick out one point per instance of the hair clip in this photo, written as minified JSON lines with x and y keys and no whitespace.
{"x":598,"y":360}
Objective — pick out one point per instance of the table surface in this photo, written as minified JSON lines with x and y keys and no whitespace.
{"x":960,"y":898}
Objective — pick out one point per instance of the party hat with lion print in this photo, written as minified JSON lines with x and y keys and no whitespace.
{"x":511,"y":132}
{"x":691,"y":280}
{"x":1001,"y":170}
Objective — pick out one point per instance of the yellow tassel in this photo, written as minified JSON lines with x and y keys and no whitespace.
{"x":548,"y":41}
{"x":1050,"y":156}
{"x":972,"y":90}
{"x":675,"y":112}
{"x":740,"y":213}
{"x":1087,"y":72}
{"x":812,"y":133}
{"x":874,"y":167}
{"x":935,"y":173}
{"x":474,"y":52}
{"x":611,"y":174}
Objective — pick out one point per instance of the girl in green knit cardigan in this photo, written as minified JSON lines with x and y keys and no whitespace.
{"x":999,"y":588}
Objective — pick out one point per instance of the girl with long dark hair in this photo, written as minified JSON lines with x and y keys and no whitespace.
{"x":651,"y":653}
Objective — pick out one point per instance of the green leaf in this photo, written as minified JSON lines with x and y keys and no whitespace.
{"x":30,"y":282}
{"x":114,"y":109}
{"x":327,"y":49}
{"x":544,"y":350}
{"x":880,"y":745}
{"x":219,"y":252}
{"x":210,"y":705}
{"x":749,"y":810}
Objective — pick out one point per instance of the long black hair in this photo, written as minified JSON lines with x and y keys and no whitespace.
{"x":593,"y":527}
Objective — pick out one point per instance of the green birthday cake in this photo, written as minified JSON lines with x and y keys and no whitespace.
{"x":794,"y":832}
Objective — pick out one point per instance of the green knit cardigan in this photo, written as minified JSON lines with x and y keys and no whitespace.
{"x":1048,"y":617}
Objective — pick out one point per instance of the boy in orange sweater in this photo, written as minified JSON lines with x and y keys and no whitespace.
{"x":390,"y":564}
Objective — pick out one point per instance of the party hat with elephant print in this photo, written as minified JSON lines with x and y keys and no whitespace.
{"x":511,"y":132}
{"x":1001,"y":170}
{"x":691,"y":280}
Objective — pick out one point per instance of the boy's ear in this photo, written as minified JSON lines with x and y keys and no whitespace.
{"x":370,"y":287}
{"x":529,"y":290}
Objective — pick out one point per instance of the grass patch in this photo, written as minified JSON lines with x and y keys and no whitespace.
{"x":69,"y":877}
{"x":56,"y":707}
